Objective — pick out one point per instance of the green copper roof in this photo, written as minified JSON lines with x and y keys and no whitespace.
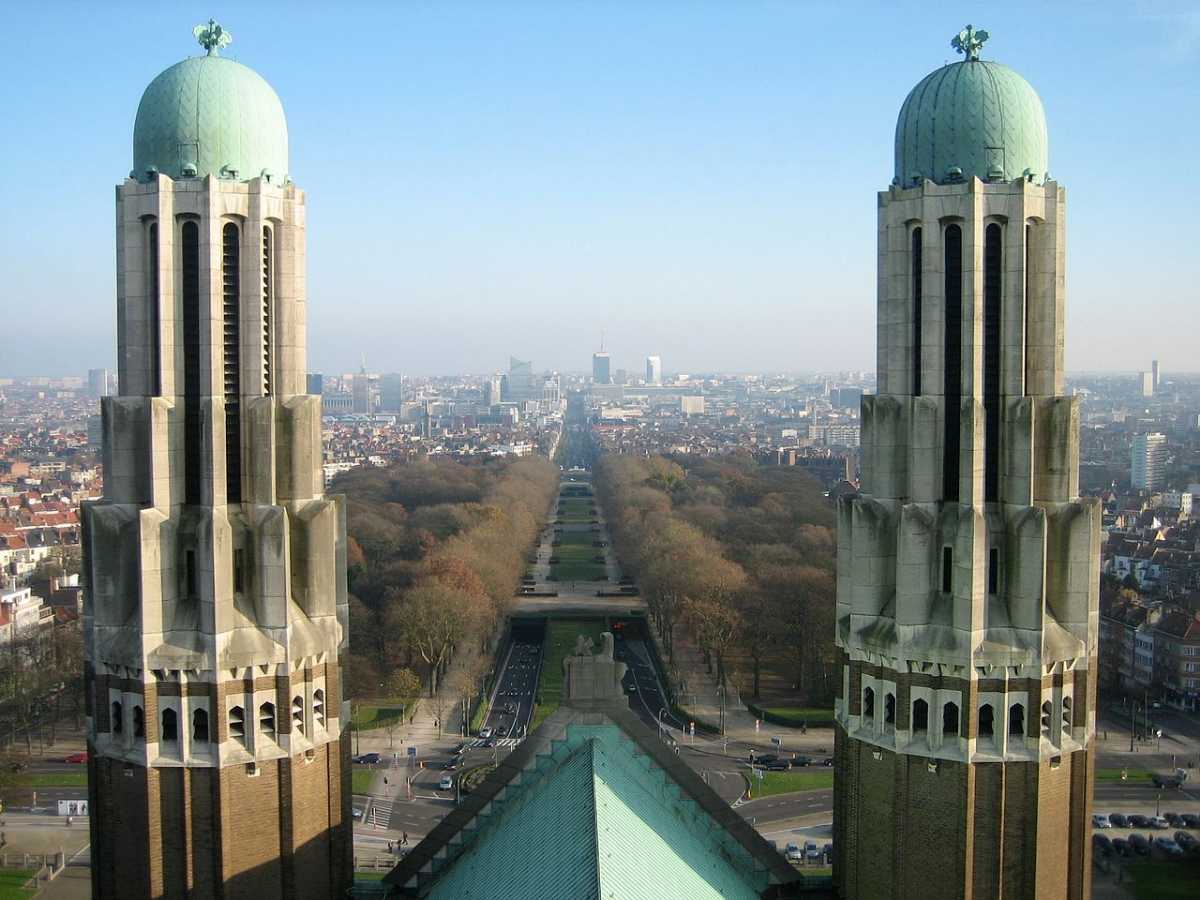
{"x":978,"y":117}
{"x":210,"y":115}
{"x":591,"y":805}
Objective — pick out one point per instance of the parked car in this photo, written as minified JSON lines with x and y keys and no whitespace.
{"x":1140,"y":845}
{"x":1159,"y":822}
{"x":1118,"y":820}
{"x":77,"y":757}
{"x":1101,"y":821}
{"x":1190,"y":820}
{"x":367,"y":759}
{"x":1187,"y":841}
{"x":799,"y":759}
{"x":446,"y":784}
{"x":1122,"y":847}
{"x":1167,"y":847}
{"x":812,"y":853}
{"x":1102,"y":845}
{"x":794,"y":853}
{"x":1139,"y":821}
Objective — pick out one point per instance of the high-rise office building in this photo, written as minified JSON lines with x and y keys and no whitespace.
{"x":98,"y":382}
{"x":653,"y":370}
{"x":360,"y":389}
{"x":601,"y":368}
{"x":1154,"y":372}
{"x":968,"y":564}
{"x":216,"y":609}
{"x":1147,"y":461}
{"x":1148,"y":384}
{"x":519,"y":384}
{"x":391,"y":393}
{"x":314,"y":384}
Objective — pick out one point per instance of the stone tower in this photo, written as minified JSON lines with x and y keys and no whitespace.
{"x":968,"y":565}
{"x":215,"y":619}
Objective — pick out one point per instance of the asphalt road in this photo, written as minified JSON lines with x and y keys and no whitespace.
{"x":512,"y":703}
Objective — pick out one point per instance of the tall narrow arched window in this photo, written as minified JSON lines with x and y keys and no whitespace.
{"x":986,"y":721}
{"x":1016,"y":720}
{"x":230,"y":257}
{"x":993,"y":256}
{"x":868,"y":705}
{"x":153,"y":327}
{"x":116,"y":722}
{"x":237,"y":725}
{"x":266,"y":720}
{"x":266,"y":310}
{"x":319,"y":707}
{"x":920,"y":715}
{"x":952,"y":361}
{"x":1047,"y":716}
{"x":889,"y":709}
{"x":200,"y":726}
{"x":950,"y":720}
{"x":170,"y":725}
{"x":139,"y":722}
{"x":1066,"y":713}
{"x":190,"y":272}
{"x":915,"y":265}
{"x":1029,"y":257}
{"x":298,"y":714}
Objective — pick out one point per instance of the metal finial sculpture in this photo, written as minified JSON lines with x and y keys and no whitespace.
{"x":212,"y":37}
{"x":969,"y":42}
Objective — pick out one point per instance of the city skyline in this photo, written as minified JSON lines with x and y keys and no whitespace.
{"x":632,"y":170}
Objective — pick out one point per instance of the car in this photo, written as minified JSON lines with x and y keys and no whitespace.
{"x":1167,"y":847}
{"x":1118,"y":820}
{"x":1175,"y":820}
{"x":1190,"y":820}
{"x":77,"y":758}
{"x":488,"y":743}
{"x":779,"y":765}
{"x":1159,"y":823}
{"x":1139,"y":821}
{"x":450,"y":765}
{"x":794,"y":853}
{"x":812,"y":852}
{"x":485,"y":733}
{"x":763,"y":759}
{"x":459,"y":747}
{"x":1122,"y":847}
{"x":799,"y":759}
{"x":447,"y":783}
{"x":356,"y":813}
{"x":367,"y":759}
{"x":1101,"y":821}
{"x":827,"y":762}
{"x":1170,"y":781}
{"x":1102,"y":845}
{"x":1140,"y":845}
{"x":1186,"y":841}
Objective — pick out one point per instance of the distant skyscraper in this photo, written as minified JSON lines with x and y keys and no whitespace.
{"x":391,"y":393}
{"x":520,"y":385}
{"x":1154,"y":371}
{"x":968,"y":564}
{"x":1148,"y":384}
{"x":653,"y":370}
{"x":493,"y":389}
{"x":315,"y":383}
{"x":601,"y":368}
{"x":1147,"y":458}
{"x":216,"y":608}
{"x":360,"y":387}
{"x":98,"y":382}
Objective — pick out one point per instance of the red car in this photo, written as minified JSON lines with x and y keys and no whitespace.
{"x":77,"y":757}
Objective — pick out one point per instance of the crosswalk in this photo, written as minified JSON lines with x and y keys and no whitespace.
{"x":500,"y":742}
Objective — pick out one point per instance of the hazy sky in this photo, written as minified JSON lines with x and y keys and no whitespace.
{"x":696,"y":179}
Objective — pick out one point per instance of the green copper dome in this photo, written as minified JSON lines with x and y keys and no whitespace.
{"x":210,"y":116}
{"x":971,"y":118}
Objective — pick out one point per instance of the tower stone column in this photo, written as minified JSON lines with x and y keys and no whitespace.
{"x":215,"y":618}
{"x":968,"y":565}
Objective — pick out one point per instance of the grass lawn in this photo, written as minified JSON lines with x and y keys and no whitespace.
{"x":797,"y":715}
{"x":369,"y":876}
{"x":576,"y":557}
{"x":805,"y":779}
{"x":53,"y":779}
{"x":360,"y":780}
{"x":1136,"y":776}
{"x":561,"y":635}
{"x":11,"y":881}
{"x":1165,"y":879}
{"x":369,"y":715}
{"x":575,"y":510}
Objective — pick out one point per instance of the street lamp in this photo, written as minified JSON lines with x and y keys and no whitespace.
{"x":660,"y":721}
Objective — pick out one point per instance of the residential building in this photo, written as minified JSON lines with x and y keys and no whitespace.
{"x":218,"y":752}
{"x":1147,"y":460}
{"x":967,"y":692}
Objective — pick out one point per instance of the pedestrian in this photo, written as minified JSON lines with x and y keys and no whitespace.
{"x":404,"y":839}
{"x":390,"y":847}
